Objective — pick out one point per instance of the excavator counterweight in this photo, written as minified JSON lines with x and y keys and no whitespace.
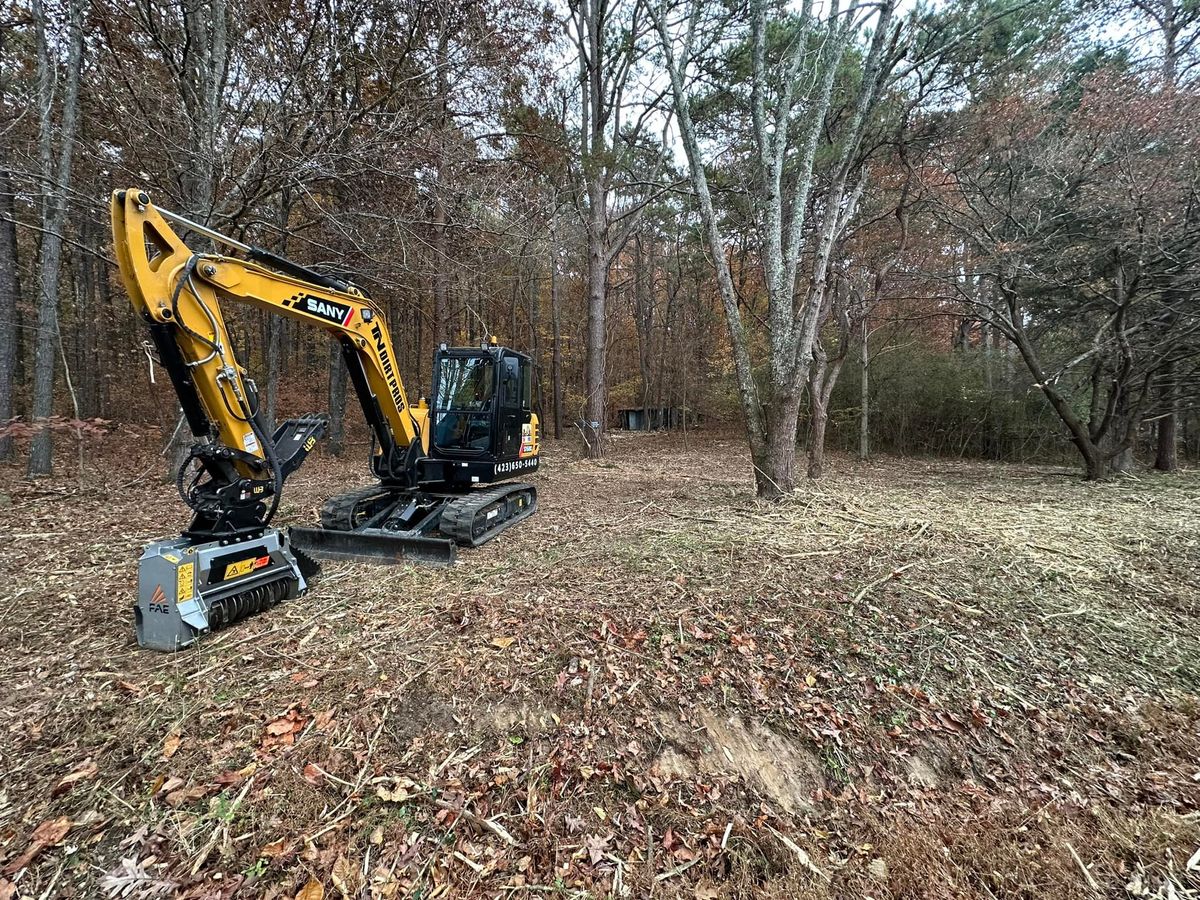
{"x":435,"y":466}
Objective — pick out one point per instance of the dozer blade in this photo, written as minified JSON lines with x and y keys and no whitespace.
{"x":374,"y":545}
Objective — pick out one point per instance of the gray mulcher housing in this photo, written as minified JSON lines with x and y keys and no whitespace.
{"x":187,"y":589}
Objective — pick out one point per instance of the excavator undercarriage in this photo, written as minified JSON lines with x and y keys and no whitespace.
{"x":377,"y":524}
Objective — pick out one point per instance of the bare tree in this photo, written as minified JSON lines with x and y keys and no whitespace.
{"x":9,"y":296}
{"x":607,"y":35}
{"x":1087,"y":242}
{"x":873,"y":257}
{"x":790,"y":94}
{"x":56,"y":150}
{"x":10,"y":287}
{"x":1178,"y":25}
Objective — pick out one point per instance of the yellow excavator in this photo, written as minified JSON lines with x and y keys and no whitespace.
{"x":436,"y":464}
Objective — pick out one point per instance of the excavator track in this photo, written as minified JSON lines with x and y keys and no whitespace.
{"x":479,"y":516}
{"x":347,"y":512}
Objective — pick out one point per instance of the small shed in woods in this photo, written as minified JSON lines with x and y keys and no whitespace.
{"x":653,"y":418}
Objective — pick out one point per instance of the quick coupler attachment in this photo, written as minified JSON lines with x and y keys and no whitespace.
{"x":187,"y":589}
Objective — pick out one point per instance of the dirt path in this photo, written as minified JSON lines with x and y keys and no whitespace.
{"x":917,"y":680}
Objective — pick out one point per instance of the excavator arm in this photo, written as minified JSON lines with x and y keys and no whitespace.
{"x":179,"y":293}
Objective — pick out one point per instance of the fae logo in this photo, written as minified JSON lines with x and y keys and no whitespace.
{"x":158,"y":602}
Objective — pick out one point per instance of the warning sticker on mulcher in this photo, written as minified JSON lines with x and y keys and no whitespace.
{"x":244,"y":567}
{"x":185,"y":577}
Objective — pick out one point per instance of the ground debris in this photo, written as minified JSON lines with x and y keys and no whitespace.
{"x":911,"y":680}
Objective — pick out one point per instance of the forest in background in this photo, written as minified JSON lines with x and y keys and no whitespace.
{"x":966,"y":229}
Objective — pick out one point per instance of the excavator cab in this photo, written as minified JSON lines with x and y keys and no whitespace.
{"x":482,"y":413}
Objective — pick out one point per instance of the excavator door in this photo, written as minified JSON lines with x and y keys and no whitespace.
{"x":515,"y":403}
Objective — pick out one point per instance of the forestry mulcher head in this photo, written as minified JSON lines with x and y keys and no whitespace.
{"x":186,"y":589}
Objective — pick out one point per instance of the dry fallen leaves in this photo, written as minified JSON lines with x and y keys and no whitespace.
{"x":171,"y":743}
{"x":85,"y":771}
{"x":130,"y":879}
{"x":48,"y":834}
{"x":345,"y":877}
{"x":503,"y":643}
{"x":275,"y":849}
{"x":283,"y":730}
{"x":311,"y":891}
{"x":322,"y":719}
{"x":314,"y":774}
{"x":183,"y":796}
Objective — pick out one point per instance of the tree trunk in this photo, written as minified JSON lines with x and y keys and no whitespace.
{"x":104,"y":339}
{"x":202,"y":88}
{"x":337,"y":400}
{"x":54,"y":214}
{"x":86,"y":370}
{"x":597,"y":333}
{"x":535,"y":337}
{"x":782,"y":202}
{"x":774,"y":456}
{"x":643,"y":305}
{"x":1095,"y":466}
{"x":1122,"y":455}
{"x":441,"y":285}
{"x":1122,"y":461}
{"x":556,"y":325}
{"x":818,"y":418}
{"x":1166,"y":459}
{"x":864,"y":396}
{"x":10,"y":289}
{"x":441,"y":250}
{"x":274,"y":364}
{"x":275,"y":324}
{"x":1095,"y":462}
{"x":822,"y":381}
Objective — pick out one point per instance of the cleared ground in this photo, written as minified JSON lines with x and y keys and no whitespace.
{"x":919,"y":679}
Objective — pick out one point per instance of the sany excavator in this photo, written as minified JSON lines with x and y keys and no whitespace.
{"x":432,"y":461}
